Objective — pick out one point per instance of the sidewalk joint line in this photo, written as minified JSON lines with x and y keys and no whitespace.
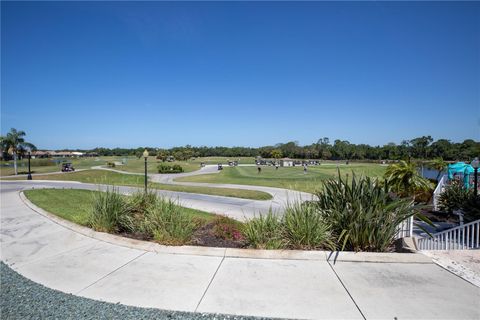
{"x":211,"y":280}
{"x":354,"y":302}
{"x":111,"y":272}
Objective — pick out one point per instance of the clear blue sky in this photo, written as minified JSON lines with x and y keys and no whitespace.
{"x":87,"y":74}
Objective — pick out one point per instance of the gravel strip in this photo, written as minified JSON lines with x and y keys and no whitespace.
{"x":21,"y":298}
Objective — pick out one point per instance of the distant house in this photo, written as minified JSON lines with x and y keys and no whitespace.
{"x":286,"y":162}
{"x":40,"y":154}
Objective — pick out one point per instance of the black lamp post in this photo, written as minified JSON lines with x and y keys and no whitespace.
{"x":475,"y":176}
{"x":145,"y":155}
{"x":29,"y":176}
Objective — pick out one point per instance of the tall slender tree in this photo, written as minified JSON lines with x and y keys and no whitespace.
{"x":13,"y":143}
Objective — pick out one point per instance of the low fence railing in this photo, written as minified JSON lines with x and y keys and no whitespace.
{"x":405,"y":229}
{"x":438,"y":191}
{"x":463,"y":237}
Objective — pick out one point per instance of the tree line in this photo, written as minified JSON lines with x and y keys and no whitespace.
{"x":418,"y":148}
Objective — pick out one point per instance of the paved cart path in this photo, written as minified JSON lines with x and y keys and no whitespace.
{"x":285,"y":284}
{"x":280,"y":195}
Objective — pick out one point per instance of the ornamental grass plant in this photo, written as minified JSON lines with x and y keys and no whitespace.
{"x":362,"y":214}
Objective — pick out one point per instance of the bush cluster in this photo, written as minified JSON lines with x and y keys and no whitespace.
{"x":143,"y":214}
{"x":457,"y":197}
{"x":166,"y":168}
{"x":301,"y":227}
{"x":358,"y":215}
{"x":362,"y":214}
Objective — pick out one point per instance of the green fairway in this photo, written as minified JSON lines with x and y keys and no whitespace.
{"x":136,"y":165}
{"x":127,"y":164}
{"x":75,"y":205}
{"x":46,"y":165}
{"x":119,"y":179}
{"x":286,"y":177}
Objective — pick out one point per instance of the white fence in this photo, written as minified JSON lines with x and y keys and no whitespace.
{"x":466,"y":236}
{"x":438,"y":190}
{"x":405,"y":229}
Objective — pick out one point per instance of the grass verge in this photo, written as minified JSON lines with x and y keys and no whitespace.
{"x":119,"y":179}
{"x":74,"y":205}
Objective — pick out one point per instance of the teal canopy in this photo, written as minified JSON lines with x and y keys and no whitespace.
{"x":461,"y":168}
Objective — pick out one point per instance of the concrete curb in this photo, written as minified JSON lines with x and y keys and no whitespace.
{"x":343,"y":256}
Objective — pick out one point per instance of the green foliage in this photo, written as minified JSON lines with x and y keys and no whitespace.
{"x":167,"y":223}
{"x":109,"y":211}
{"x":361,"y":213}
{"x":305,"y":228}
{"x":453,"y":197}
{"x":111,"y":164}
{"x":471,"y":208}
{"x":227,"y":228}
{"x":457,"y":197}
{"x":403,"y":179}
{"x":301,"y":227}
{"x":276,"y":153}
{"x":264,"y":232}
{"x":166,"y":168}
{"x":438,"y":164}
{"x":14,"y":143}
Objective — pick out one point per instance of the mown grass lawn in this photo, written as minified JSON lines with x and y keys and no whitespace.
{"x":45,"y":165}
{"x":75,"y":205}
{"x":287,"y":177}
{"x":136,"y":165}
{"x":119,"y":179}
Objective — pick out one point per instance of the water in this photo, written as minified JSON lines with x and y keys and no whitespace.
{"x":429,"y":173}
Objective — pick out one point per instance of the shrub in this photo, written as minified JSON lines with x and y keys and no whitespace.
{"x":138,"y":203}
{"x":166,"y":168}
{"x":305,"y":228}
{"x":227,"y":229}
{"x":109,"y":211}
{"x":111,"y":164}
{"x":457,"y":197}
{"x":404,"y":179}
{"x":264,"y":232}
{"x":362,"y":214}
{"x":471,"y":208}
{"x":167,"y":223}
{"x":454,"y":196}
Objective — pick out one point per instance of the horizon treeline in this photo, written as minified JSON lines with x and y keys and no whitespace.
{"x":418,"y":148}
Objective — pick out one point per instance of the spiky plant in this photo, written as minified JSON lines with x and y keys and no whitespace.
{"x":361,"y":213}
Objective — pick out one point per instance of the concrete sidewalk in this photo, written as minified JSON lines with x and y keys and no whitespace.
{"x":284,"y":284}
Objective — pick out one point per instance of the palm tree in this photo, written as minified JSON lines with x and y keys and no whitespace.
{"x":403,"y":178}
{"x":438,"y":164}
{"x":14,"y":143}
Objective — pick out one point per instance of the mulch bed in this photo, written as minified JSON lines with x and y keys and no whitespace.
{"x":205,"y":237}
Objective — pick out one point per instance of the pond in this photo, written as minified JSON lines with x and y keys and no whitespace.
{"x":429,"y":173}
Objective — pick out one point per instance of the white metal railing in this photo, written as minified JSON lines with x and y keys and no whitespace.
{"x":466,"y":236}
{"x":438,"y":191}
{"x":405,"y":229}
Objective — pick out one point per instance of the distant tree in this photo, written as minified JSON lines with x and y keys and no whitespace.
{"x":276,"y":153}
{"x":420,"y":146}
{"x":162,"y":155}
{"x":14,"y":143}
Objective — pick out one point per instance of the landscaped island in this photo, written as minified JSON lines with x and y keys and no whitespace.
{"x":359,"y":214}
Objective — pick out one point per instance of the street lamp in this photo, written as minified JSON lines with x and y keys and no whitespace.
{"x":29,"y":176}
{"x":145,"y":155}
{"x":475,"y":177}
